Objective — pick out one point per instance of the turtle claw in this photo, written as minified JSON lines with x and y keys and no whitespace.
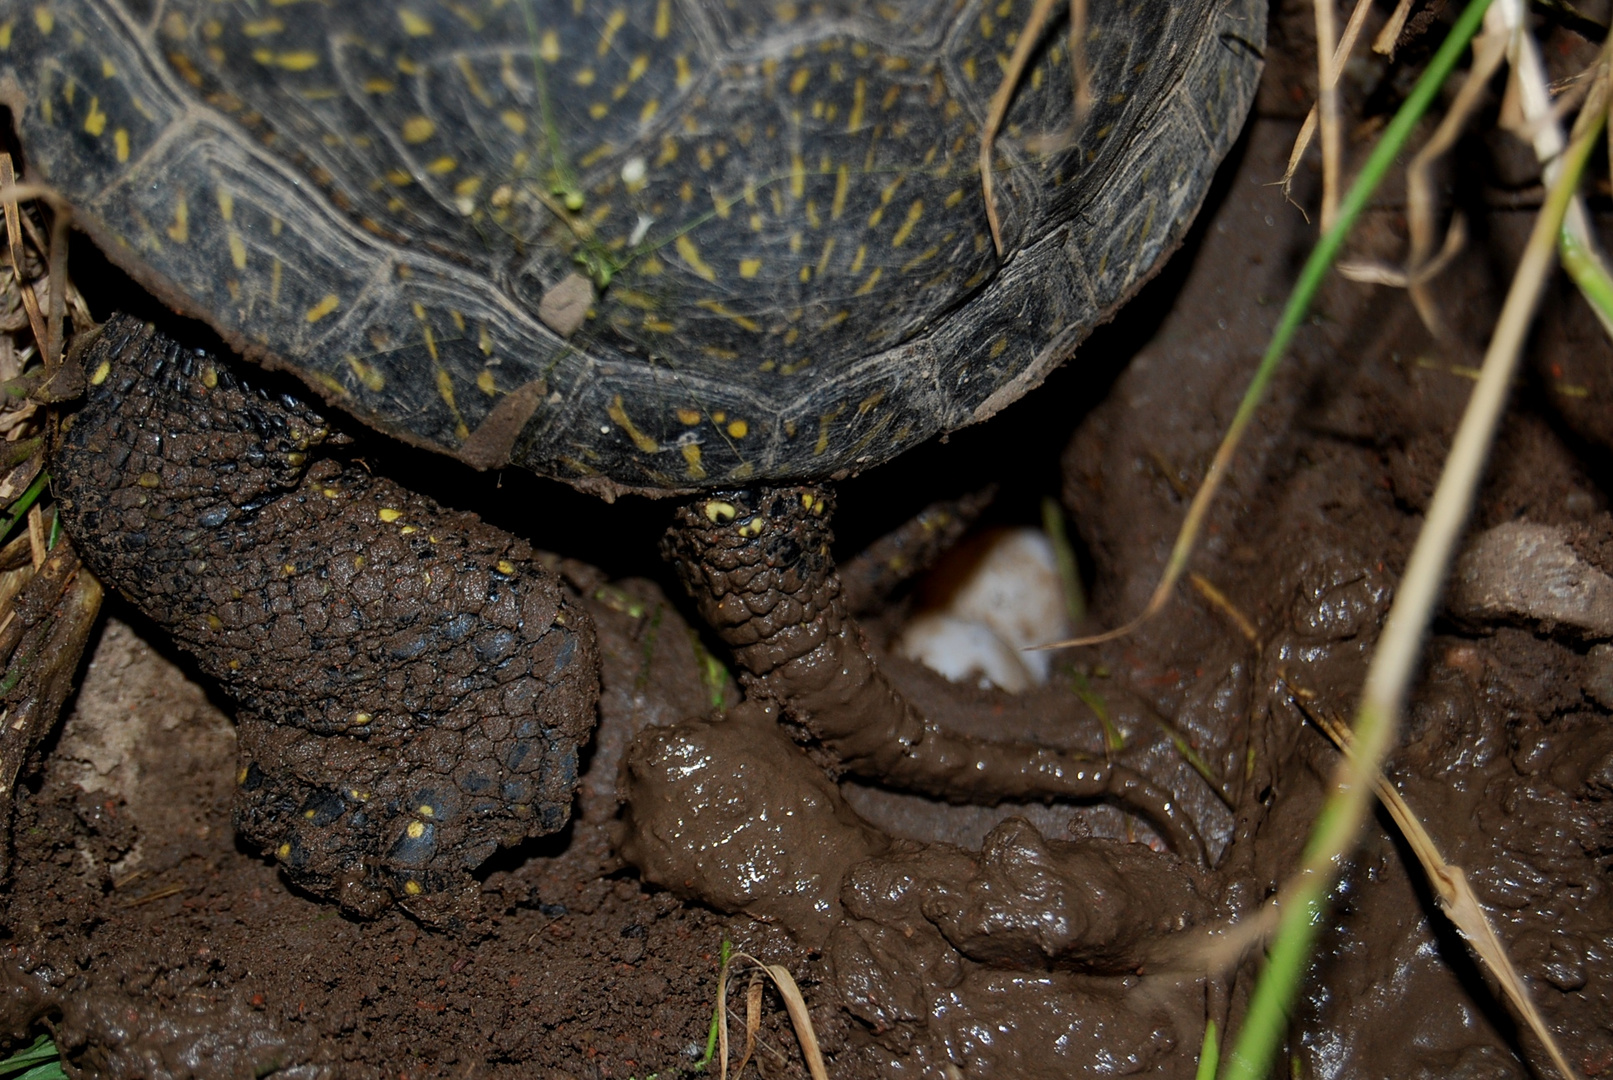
{"x":757,"y":563}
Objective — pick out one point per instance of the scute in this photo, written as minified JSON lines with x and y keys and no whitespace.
{"x":778,"y":206}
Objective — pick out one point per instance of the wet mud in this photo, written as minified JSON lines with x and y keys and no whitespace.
{"x":1017,"y":939}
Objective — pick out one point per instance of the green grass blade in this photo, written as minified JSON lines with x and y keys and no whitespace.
{"x":1587,"y":272}
{"x":1321,"y":260}
{"x":1267,"y":1016}
{"x":24,"y":503}
{"x":38,"y":1062}
{"x":1209,"y":1053}
{"x":1075,"y":600}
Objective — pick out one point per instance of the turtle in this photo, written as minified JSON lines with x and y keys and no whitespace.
{"x":726,"y":250}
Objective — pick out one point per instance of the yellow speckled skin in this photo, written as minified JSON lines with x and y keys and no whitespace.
{"x":775,"y":205}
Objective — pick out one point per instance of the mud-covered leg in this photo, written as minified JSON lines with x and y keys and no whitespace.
{"x":758,"y":565}
{"x":413,"y":684}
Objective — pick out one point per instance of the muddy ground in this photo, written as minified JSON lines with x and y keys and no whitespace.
{"x":158,"y":945}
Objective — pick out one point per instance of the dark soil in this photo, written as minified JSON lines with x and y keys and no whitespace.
{"x":160,"y":945}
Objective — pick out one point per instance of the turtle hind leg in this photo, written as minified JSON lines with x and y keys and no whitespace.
{"x":757,"y":563}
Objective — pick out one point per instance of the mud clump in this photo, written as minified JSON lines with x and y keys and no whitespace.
{"x":413,"y":684}
{"x":729,"y":812}
{"x":1039,"y":939}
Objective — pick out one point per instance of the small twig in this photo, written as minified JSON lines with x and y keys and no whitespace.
{"x":1488,"y":52}
{"x":1218,"y":600}
{"x":753,"y":1019}
{"x":1028,"y":38}
{"x":1384,"y":44}
{"x":156,"y":894}
{"x":1307,"y":130}
{"x":1328,"y":66}
{"x":794,"y":1004}
{"x":9,"y":197}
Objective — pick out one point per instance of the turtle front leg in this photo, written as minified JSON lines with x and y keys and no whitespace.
{"x":757,"y":563}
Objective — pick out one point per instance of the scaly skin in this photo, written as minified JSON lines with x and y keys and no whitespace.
{"x":413,"y":685}
{"x":758,"y":566}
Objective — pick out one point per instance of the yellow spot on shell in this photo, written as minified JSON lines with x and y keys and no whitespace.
{"x":855,"y":121}
{"x":102,"y":370}
{"x":442,"y":166}
{"x":309,"y":813}
{"x":739,"y":429}
{"x":367,"y":374}
{"x":613,"y":22}
{"x":120,"y":144}
{"x":691,"y":255}
{"x":505,"y":566}
{"x":718,"y":511}
{"x":485,"y":383}
{"x":304,"y":60}
{"x":362,"y":718}
{"x":753,"y":527}
{"x":412,"y":887}
{"x":691,"y":457}
{"x":416,"y":830}
{"x":417,"y":129}
{"x":45,"y":19}
{"x":323,"y":308}
{"x":514,"y":121}
{"x":388,"y":514}
{"x":868,"y":285}
{"x":663,"y":19}
{"x":377,"y":85}
{"x":749,"y":267}
{"x":998,"y":346}
{"x":95,"y":120}
{"x":179,"y":231}
{"x":262,"y":27}
{"x":549,"y":47}
{"x":618,"y":413}
{"x":414,"y":25}
{"x":237,"y":250}
{"x":914,"y":212}
{"x":283,"y":851}
{"x":740,"y":320}
{"x":689,"y":416}
{"x":425,"y":810}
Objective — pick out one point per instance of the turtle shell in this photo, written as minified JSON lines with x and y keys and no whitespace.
{"x":644,"y":244}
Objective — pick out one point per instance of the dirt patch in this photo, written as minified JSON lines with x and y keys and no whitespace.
{"x":141,"y":924}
